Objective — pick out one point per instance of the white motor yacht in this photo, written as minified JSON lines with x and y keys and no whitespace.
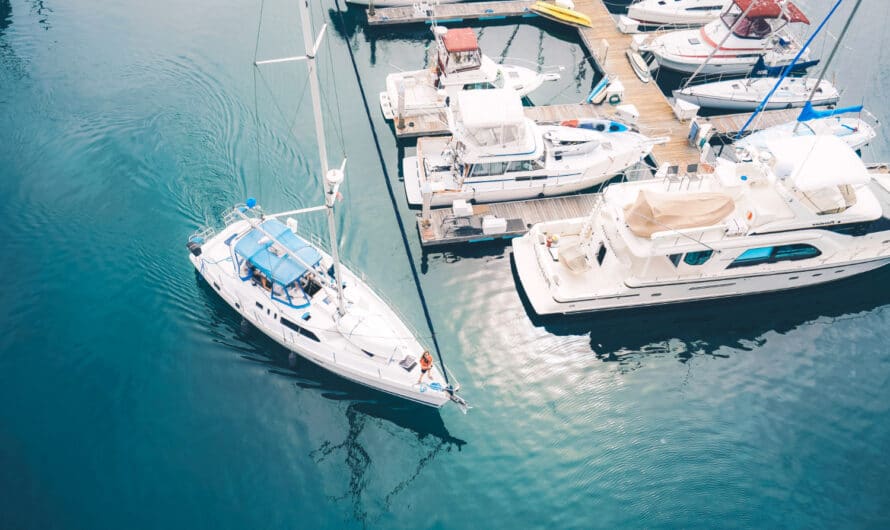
{"x":496,"y":154}
{"x":459,"y":65}
{"x":732,"y":44}
{"x":856,"y":131}
{"x":746,"y":94}
{"x":303,"y":298}
{"x":676,"y":12}
{"x":805,"y":211}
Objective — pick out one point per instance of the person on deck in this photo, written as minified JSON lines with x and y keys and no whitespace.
{"x":426,"y":364}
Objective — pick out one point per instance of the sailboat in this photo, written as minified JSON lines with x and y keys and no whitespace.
{"x":857,"y":131}
{"x":304,"y":298}
{"x":746,"y":94}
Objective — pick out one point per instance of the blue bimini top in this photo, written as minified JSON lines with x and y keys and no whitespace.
{"x":276,"y":264}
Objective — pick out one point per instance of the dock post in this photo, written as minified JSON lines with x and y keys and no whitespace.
{"x":371,"y":8}
{"x":400,"y":107}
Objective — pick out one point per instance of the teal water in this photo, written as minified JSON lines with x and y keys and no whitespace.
{"x":132,"y":397}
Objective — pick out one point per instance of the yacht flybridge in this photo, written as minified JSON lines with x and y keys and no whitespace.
{"x":746,"y":31}
{"x":496,"y":153}
{"x":460,"y":65}
{"x":803,"y":212}
{"x":676,"y":12}
{"x":303,"y":298}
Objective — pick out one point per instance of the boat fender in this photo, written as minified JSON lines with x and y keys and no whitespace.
{"x":749,"y":216}
{"x":614,"y":99}
{"x":435,"y":385}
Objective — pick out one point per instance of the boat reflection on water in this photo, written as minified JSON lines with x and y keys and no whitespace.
{"x":716,"y":328}
{"x":371,"y":416}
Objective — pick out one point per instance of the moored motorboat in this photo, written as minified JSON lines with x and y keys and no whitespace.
{"x":733,"y":43}
{"x":747,"y":94}
{"x":459,"y":65}
{"x":805,"y":211}
{"x":496,"y":154}
{"x":676,"y":12}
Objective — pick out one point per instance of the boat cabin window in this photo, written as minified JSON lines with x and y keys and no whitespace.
{"x":697,"y":258}
{"x":526,"y":165}
{"x":759,"y":256}
{"x":299,"y":329}
{"x":675,"y":259}
{"x":484,"y":85}
{"x":488,"y":169}
{"x":497,"y":135}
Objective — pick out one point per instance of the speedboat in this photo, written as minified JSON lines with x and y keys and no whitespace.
{"x":802,"y":212}
{"x":496,"y":154}
{"x":734,"y":43}
{"x":303,"y":298}
{"x":676,"y":12}
{"x":856,"y":131}
{"x":746,"y":94}
{"x":460,"y":65}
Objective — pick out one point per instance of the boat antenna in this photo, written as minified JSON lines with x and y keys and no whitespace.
{"x":722,"y":42}
{"x":830,"y":57}
{"x":787,"y":70}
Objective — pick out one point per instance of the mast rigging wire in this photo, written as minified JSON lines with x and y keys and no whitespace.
{"x":392,"y":198}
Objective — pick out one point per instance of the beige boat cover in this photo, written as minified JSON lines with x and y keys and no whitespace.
{"x":658,"y":212}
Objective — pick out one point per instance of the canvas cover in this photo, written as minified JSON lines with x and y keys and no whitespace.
{"x":460,"y":40}
{"x":773,"y":9}
{"x":655,"y":212}
{"x":814,"y":162}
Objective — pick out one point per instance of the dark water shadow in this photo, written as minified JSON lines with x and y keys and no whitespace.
{"x":706,"y":327}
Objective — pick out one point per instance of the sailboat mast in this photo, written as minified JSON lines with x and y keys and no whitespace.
{"x":830,"y":57}
{"x":330,"y":187}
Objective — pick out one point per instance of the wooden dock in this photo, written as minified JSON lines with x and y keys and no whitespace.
{"x":444,"y":228}
{"x":458,"y":12}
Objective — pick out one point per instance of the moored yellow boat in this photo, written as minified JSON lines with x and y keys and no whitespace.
{"x":561,"y":14}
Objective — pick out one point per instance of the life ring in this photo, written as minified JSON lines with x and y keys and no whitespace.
{"x":614,"y":99}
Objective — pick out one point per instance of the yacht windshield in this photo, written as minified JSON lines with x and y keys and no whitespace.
{"x":749,"y":27}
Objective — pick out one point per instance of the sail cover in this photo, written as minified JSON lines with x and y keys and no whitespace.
{"x":655,"y":212}
{"x":773,"y":9}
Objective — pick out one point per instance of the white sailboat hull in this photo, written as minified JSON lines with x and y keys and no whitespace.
{"x":332,"y":351}
{"x":746,"y":95}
